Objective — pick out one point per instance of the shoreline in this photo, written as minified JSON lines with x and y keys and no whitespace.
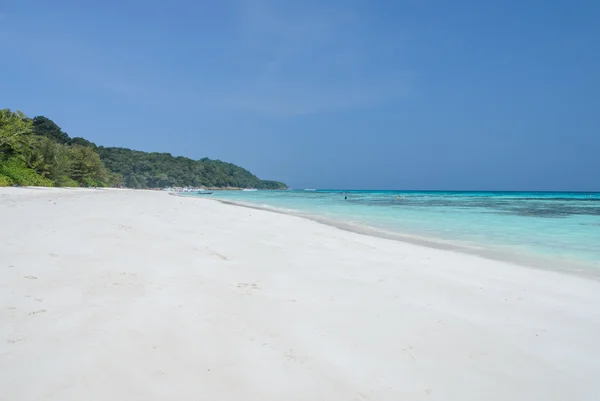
{"x":576,"y":268}
{"x":134,"y":295}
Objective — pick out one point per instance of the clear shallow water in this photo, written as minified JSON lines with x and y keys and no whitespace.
{"x":557,"y":230}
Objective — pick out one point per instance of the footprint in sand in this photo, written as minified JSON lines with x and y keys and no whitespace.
{"x":223,"y":257}
{"x":248,"y":287}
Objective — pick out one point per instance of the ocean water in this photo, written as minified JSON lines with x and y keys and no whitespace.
{"x":555,"y":230}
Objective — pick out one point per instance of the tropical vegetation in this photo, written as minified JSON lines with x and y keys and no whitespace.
{"x":35,"y":151}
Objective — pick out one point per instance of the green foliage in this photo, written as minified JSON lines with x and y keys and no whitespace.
{"x":269,"y":184}
{"x":158,"y":170}
{"x":5,"y":181}
{"x":81,"y":142}
{"x":115,"y":179}
{"x":14,"y":133}
{"x":15,"y":169}
{"x":87,"y":168}
{"x":56,"y":161}
{"x":43,"y":126}
{"x":37,"y":152}
{"x":66,"y":182}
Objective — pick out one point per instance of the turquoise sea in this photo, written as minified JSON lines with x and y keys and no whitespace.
{"x":555,"y":230}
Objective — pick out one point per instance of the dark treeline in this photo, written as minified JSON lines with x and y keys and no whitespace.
{"x":143,"y":169}
{"x":35,"y":151}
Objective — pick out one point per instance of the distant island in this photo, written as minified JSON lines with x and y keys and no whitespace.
{"x":35,"y":151}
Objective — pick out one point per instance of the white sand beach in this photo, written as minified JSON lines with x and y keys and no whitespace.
{"x":137,"y":295}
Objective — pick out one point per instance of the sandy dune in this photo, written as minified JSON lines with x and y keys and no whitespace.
{"x":138,"y":295}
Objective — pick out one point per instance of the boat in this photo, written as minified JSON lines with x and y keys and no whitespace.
{"x":249,"y":189}
{"x":203,"y":192}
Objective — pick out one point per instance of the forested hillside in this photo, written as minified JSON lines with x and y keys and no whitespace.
{"x":142,"y":170}
{"x":35,"y":151}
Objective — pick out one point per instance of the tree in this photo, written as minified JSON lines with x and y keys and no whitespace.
{"x":81,"y":142}
{"x":41,"y":152}
{"x":132,"y":182}
{"x":43,"y":126}
{"x":87,"y":168}
{"x":19,"y":159}
{"x":162,"y":170}
{"x":14,"y":130}
{"x":115,"y":179}
{"x":56,"y":161}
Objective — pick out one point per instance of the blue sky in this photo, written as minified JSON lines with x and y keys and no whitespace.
{"x":404,"y":94}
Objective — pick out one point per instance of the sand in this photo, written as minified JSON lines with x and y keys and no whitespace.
{"x":138,"y":295}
